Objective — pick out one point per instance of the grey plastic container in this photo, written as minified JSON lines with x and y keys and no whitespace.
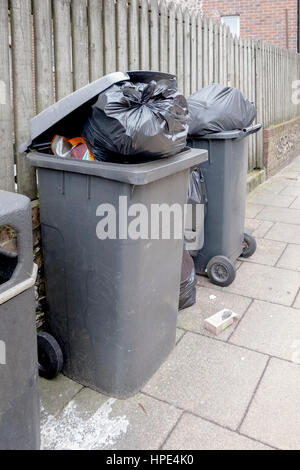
{"x":225,"y":174}
{"x":112,"y":303}
{"x":19,"y":397}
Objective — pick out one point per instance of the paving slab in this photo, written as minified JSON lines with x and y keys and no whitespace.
{"x":267,"y":252}
{"x":296,"y":203}
{"x":274,"y":414}
{"x":290,"y":258}
{"x":272,"y":185}
{"x":289,"y":233}
{"x":292,"y":190}
{"x":179,"y":334}
{"x":252,"y":210}
{"x":266,"y":283}
{"x":280,"y":214}
{"x":210,"y":301}
{"x":55,"y":394}
{"x":210,"y":378}
{"x":270,"y":199}
{"x":297,"y":302}
{"x":93,"y":421}
{"x":262,"y":229}
{"x":271,"y":329}
{"x":194,"y":433}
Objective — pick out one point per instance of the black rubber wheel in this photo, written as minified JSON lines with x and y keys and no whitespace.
{"x":221,"y":271}
{"x":249,"y":246}
{"x":50,"y":356}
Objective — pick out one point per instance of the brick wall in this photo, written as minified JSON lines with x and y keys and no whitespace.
{"x":281,"y":144}
{"x":265,"y":19}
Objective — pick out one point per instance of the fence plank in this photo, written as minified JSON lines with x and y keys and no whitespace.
{"x":62,"y":48}
{"x":193,"y":53}
{"x":205,"y":52}
{"x":133,"y":34}
{"x":154,"y":35}
{"x":7,"y":157}
{"x":210,"y":52}
{"x":144,"y":35}
{"x":110,"y":36}
{"x":180,"y":68}
{"x":80,"y":43}
{"x":187,"y":52}
{"x":163,"y":37}
{"x":23,"y":88}
{"x":122,"y":36}
{"x":199,"y":52}
{"x":43,"y":54}
{"x":96,"y":39}
{"x":172,"y":38}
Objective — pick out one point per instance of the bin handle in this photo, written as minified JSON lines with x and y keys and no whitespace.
{"x":252,"y":129}
{"x":20,"y":287}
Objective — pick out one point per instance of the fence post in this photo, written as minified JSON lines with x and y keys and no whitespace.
{"x":21,"y":29}
{"x":7,"y":155}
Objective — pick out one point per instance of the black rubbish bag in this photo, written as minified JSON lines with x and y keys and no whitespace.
{"x":217,"y":108}
{"x":188,"y":282}
{"x":144,"y":120}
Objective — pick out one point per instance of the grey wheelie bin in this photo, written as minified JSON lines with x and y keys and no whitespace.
{"x":19,"y":397}
{"x":113,"y":301}
{"x":225,"y":174}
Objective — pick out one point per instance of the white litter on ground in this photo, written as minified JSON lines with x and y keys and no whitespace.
{"x":71,"y":431}
{"x":212,"y":297}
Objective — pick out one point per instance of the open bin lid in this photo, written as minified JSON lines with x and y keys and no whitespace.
{"x":44,"y":121}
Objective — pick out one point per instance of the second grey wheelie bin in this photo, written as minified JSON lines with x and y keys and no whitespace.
{"x":19,"y":397}
{"x":113,"y":302}
{"x":225,"y":174}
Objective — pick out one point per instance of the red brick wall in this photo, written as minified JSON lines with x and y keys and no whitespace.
{"x":263,"y":19}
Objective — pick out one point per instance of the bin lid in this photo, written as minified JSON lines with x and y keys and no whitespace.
{"x":225,"y":135}
{"x":136,"y":174}
{"x":62,"y":108}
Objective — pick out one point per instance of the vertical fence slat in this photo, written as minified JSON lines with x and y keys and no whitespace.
{"x":62,"y":48}
{"x":172,"y":38}
{"x":43,"y":54}
{"x":122,"y":36}
{"x":154,"y":35}
{"x":187,"y":52}
{"x":22,"y":89}
{"x":193,"y":53}
{"x":133,"y":33}
{"x":144,"y":35}
{"x":6,"y":157}
{"x":199,"y":52}
{"x":180,"y":69}
{"x":110,"y":36}
{"x":80,"y":43}
{"x":205,"y":52}
{"x":96,"y":39}
{"x":210,"y":52}
{"x":216,"y":52}
{"x":163,"y":37}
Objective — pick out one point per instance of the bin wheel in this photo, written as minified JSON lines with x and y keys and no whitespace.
{"x":50,"y":356}
{"x":221,"y":271}
{"x":249,"y":246}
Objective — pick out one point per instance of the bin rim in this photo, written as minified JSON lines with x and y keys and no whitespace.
{"x":65,"y":106}
{"x":235,"y":134}
{"x":22,"y":286}
{"x":135,"y":174}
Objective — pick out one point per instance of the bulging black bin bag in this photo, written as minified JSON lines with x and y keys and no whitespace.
{"x":216,"y":108}
{"x":145,"y":120}
{"x":188,"y":282}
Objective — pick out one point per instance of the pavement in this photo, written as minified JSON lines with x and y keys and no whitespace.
{"x":239,"y":390}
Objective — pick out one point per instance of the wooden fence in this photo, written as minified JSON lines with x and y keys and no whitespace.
{"x":51,"y":47}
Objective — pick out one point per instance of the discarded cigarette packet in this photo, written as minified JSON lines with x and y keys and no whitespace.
{"x":220,"y":320}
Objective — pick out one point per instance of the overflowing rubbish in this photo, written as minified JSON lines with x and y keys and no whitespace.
{"x":70,"y":148}
{"x":146,"y":120}
{"x":220,"y":321}
{"x":217,"y":108}
{"x":188,"y":282}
